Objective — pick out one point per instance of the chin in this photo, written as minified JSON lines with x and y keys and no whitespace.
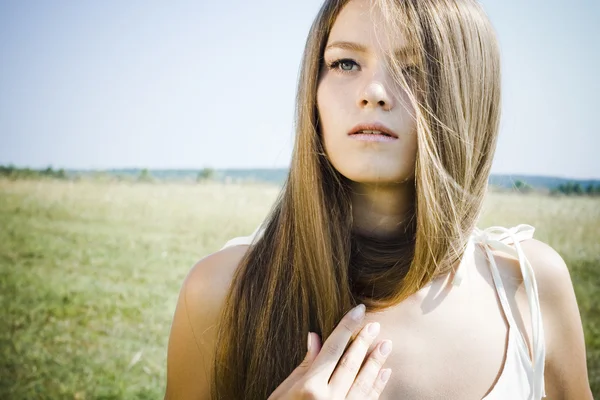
{"x":372,"y":175}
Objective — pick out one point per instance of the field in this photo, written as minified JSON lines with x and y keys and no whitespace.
{"x":90,"y":272}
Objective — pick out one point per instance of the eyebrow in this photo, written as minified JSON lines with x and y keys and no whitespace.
{"x":400,"y":53}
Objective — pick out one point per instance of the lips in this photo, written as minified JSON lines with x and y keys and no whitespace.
{"x":373,"y":126}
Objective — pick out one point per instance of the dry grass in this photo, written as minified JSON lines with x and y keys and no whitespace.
{"x":90,"y":273}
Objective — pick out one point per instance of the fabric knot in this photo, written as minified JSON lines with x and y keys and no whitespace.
{"x":479,"y":236}
{"x":492,"y":238}
{"x":507,"y":240}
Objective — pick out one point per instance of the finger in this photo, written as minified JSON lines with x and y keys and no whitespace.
{"x":367,"y":379}
{"x":380,"y":383}
{"x":313,"y":348}
{"x":348,"y":367}
{"x":336,"y":343}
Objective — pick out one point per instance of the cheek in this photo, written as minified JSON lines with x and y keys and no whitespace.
{"x":329,"y":121}
{"x":325,"y":105}
{"x":325,"y":109}
{"x":333,"y":107}
{"x":336,"y":113}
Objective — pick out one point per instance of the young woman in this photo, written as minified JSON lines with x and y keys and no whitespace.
{"x":397,"y":118}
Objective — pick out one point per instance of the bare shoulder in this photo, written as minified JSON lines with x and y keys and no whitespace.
{"x":566,"y":368}
{"x":193,"y":330}
{"x":551,"y":272}
{"x":206,"y":286}
{"x":210,"y":278}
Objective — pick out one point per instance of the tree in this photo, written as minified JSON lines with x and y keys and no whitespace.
{"x":206,"y":174}
{"x":145,"y":176}
{"x":521,"y":186}
{"x":589,"y":189}
{"x":565,"y":188}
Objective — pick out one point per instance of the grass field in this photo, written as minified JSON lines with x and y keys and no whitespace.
{"x":90,"y":272}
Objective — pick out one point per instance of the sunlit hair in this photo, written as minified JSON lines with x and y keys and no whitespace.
{"x":309,"y":268}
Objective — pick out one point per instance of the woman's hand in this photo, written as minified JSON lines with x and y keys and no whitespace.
{"x":319,"y":376}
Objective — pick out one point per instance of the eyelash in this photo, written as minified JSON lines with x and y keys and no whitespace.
{"x":335,"y":64}
{"x":410,"y":69}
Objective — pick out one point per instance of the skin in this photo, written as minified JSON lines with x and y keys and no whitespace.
{"x":448,"y":342}
{"x":359,"y":90}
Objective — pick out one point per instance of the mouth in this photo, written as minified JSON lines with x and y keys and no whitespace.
{"x":377,"y":129}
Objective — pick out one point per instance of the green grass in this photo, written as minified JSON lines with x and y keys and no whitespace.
{"x":90,"y":272}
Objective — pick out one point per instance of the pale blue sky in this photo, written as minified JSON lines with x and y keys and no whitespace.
{"x":188,"y":84}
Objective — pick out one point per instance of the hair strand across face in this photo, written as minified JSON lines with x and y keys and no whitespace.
{"x":309,"y":268}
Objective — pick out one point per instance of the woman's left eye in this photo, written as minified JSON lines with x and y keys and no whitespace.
{"x":344,"y":63}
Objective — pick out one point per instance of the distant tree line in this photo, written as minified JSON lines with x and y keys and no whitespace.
{"x":209,"y":174}
{"x":13,"y":172}
{"x":575,"y":188}
{"x":144,"y":175}
{"x":569,"y":188}
{"x":204,"y":175}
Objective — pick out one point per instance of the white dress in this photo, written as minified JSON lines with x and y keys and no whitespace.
{"x":522,"y":378}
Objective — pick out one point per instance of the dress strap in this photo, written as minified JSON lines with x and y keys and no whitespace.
{"x":245,"y":239}
{"x":500,"y":239}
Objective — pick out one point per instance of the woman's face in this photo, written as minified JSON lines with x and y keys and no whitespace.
{"x":355,"y":88}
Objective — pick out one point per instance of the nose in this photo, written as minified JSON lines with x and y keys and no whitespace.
{"x":375,"y":94}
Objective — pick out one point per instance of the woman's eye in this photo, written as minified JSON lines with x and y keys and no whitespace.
{"x":343,"y":65}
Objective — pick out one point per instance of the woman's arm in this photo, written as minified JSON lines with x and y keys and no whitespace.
{"x":193,"y":331}
{"x":565,"y":368}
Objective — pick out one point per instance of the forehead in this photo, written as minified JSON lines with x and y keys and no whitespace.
{"x":362,"y":21}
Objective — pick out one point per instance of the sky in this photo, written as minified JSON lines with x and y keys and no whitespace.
{"x":194,"y":84}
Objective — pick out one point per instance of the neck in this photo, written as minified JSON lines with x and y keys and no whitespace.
{"x":382,"y":210}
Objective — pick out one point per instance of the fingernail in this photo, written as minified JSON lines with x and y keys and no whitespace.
{"x":385,"y":375}
{"x":308,"y":342}
{"x":386,"y":348}
{"x":358,"y":312}
{"x":373,"y":328}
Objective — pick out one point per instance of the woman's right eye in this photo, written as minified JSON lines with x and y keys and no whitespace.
{"x":345,"y":64}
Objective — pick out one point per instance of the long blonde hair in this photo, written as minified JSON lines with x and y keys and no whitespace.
{"x":309,"y":267}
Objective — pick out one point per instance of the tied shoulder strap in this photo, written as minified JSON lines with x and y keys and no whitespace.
{"x":508,"y":241}
{"x":245,"y":239}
